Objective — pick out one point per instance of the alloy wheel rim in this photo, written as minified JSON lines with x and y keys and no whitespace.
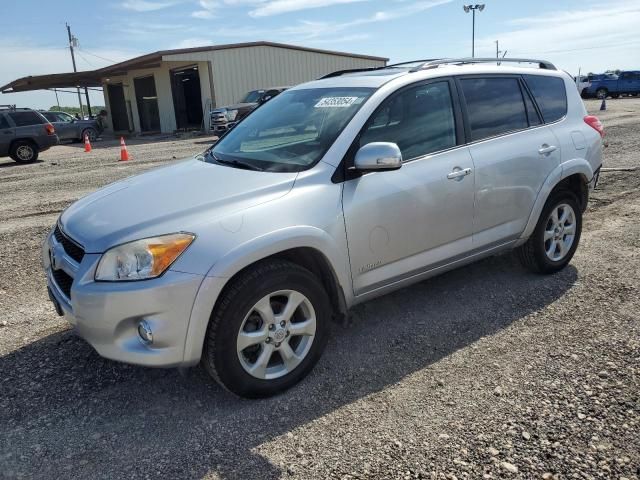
{"x":276,"y":335}
{"x":24,"y":152}
{"x":560,"y":232}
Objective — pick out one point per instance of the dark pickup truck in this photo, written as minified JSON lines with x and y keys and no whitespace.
{"x":602,"y":86}
{"x":225,"y":118}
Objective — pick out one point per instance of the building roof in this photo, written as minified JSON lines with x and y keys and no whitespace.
{"x":93,"y":78}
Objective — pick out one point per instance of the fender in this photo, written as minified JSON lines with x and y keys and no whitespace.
{"x":248,"y":253}
{"x":562,"y":171}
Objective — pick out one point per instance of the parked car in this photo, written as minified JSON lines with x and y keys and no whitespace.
{"x":224,"y":118}
{"x":627,"y":83}
{"x":335,"y":192}
{"x":70,"y":128}
{"x":24,"y":133}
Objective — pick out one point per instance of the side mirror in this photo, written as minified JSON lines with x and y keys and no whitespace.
{"x":378,"y":156}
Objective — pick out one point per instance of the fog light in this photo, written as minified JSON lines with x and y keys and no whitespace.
{"x":144,"y":330}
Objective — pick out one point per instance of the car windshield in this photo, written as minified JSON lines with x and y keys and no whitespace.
{"x":253,"y":97}
{"x":291,"y":132}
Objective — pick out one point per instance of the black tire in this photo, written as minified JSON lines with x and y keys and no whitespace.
{"x":602,"y":93}
{"x":615,"y":95}
{"x":24,"y":151}
{"x":532,"y":254}
{"x":220,"y":355}
{"x":92,"y":132}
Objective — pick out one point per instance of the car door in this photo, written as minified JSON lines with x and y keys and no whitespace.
{"x":66,"y":126}
{"x":400,"y":223}
{"x":7,"y":132}
{"x":513,"y":153}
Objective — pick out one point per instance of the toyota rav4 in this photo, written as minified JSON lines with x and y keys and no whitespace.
{"x":334,"y":192}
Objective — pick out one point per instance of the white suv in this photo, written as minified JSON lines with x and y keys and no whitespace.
{"x":332,"y":193}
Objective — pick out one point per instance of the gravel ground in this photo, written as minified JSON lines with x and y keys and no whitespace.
{"x":484,"y":372}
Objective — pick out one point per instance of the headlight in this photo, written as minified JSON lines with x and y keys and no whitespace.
{"x":231,"y":115}
{"x":142,"y":259}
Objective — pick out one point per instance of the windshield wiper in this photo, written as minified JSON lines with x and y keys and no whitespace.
{"x":234,"y":163}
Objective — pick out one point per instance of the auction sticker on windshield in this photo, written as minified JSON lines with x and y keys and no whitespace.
{"x":336,"y":102}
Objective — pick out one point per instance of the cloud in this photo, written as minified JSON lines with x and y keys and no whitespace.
{"x":310,"y":30}
{"x":207,"y":11}
{"x":277,"y":7}
{"x":590,"y":37}
{"x":146,"y":5}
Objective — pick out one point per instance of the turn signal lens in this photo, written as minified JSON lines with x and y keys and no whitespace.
{"x":142,"y":259}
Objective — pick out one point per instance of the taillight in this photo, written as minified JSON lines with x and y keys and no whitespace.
{"x":595,"y":123}
{"x":49,"y":128}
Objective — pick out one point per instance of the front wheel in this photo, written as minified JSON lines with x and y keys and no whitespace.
{"x":601,"y":93}
{"x":556,"y":236}
{"x":268,"y":329}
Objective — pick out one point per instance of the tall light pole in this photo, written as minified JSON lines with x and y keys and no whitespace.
{"x":472,"y":9}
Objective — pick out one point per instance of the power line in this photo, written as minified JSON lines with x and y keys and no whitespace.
{"x":85,"y":59}
{"x":98,"y":56}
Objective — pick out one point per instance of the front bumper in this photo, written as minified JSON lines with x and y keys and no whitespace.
{"x":107,"y":314}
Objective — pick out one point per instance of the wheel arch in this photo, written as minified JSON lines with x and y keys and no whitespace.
{"x":308,"y":250}
{"x":573,"y":175}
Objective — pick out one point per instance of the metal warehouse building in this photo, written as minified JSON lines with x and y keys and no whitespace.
{"x":171,"y":90}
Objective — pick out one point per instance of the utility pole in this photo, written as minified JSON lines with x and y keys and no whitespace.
{"x":497,"y":49}
{"x":72,"y":41}
{"x":472,"y":9}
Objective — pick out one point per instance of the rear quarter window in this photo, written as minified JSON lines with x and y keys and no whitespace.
{"x":3,"y":122}
{"x":550,"y":95}
{"x":24,"y":119}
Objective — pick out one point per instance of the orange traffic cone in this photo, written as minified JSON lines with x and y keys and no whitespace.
{"x":87,"y":143}
{"x":124,"y":154}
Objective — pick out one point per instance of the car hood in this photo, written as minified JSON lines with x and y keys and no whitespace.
{"x":166,"y":200}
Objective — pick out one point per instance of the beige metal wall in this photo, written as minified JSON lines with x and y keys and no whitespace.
{"x":239,"y":70}
{"x":162,"y":78}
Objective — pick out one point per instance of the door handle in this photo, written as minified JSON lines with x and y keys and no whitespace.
{"x":547,"y":149}
{"x":458,"y":173}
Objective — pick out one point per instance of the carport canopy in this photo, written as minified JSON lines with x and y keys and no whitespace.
{"x":54,"y":80}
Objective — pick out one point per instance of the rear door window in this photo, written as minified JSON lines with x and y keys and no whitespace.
{"x":550,"y":95}
{"x":420,"y":120}
{"x":23,"y":119}
{"x":494,"y":106}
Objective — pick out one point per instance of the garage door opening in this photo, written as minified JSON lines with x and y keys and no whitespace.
{"x":187,"y":98}
{"x":147,"y":101}
{"x":118,"y":108}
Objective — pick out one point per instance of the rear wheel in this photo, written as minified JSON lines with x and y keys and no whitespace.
{"x":556,"y":236}
{"x":24,"y":151}
{"x":268,"y":330}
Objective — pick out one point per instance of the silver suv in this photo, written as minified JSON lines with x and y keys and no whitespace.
{"x":334,"y":192}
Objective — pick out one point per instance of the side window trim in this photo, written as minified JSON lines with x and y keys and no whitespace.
{"x":524,"y":88}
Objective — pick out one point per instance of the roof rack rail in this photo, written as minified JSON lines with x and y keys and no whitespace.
{"x":7,"y":107}
{"x":351,"y":70}
{"x":434,"y":62}
{"x":543,"y":64}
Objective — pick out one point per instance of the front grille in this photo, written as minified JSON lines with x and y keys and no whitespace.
{"x":63,"y":281}
{"x":73,"y":250}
